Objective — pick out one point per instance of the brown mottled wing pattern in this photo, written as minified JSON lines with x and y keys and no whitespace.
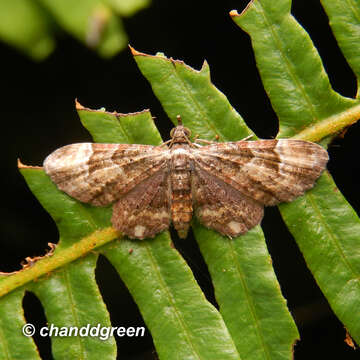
{"x":240,"y":177}
{"x":145,"y":210}
{"x":136,"y":176}
{"x":221,"y":207}
{"x":230,"y":182}
{"x":100,"y":174}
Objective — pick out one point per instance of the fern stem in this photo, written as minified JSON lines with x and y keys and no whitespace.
{"x":11,"y":281}
{"x":330,"y":125}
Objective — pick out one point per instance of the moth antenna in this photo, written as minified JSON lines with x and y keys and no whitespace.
{"x":178,"y":117}
{"x":166,"y":142}
{"x":248,"y":137}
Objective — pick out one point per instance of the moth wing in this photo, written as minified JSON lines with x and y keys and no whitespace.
{"x":144,"y":211}
{"x":268,"y":171}
{"x":100,"y":174}
{"x":221,"y":207}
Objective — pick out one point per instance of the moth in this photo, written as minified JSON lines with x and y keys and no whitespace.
{"x":226,"y":184}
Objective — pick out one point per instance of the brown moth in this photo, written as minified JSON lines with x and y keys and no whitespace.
{"x":226,"y":184}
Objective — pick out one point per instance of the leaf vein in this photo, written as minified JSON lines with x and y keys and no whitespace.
{"x":331,"y":235}
{"x":354,"y":8}
{"x":75,"y":316}
{"x":290,"y":68}
{"x":250,"y":301}
{"x":171,"y":299}
{"x":4,"y":343}
{"x":200,"y":109}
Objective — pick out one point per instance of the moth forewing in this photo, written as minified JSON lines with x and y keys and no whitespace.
{"x":269,"y":171}
{"x":100,"y":174}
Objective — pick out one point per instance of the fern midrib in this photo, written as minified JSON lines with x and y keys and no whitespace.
{"x":4,"y":343}
{"x":59,"y":258}
{"x":73,"y":311}
{"x":332,"y":236}
{"x":330,"y":125}
{"x":197,"y":105}
{"x":172,"y":301}
{"x":291,"y":69}
{"x":354,"y":8}
{"x":250,"y":302}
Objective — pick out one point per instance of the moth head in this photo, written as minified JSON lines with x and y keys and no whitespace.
{"x":180,"y":134}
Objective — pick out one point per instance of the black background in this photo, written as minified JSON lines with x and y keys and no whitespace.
{"x":38,"y":116}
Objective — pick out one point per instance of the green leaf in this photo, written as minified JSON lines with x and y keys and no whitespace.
{"x":184,"y":325}
{"x":248,"y":294}
{"x":14,"y":345}
{"x":344,"y":21}
{"x":245,"y":284}
{"x":106,"y":127}
{"x":91,"y":22}
{"x":328,"y":236}
{"x":127,"y":7}
{"x":323,"y":223}
{"x":290,"y":68}
{"x":29,"y":25}
{"x":190,"y":93}
{"x":24,"y":26}
{"x":80,"y":304}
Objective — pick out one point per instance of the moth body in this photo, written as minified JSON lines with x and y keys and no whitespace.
{"x":180,"y":183}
